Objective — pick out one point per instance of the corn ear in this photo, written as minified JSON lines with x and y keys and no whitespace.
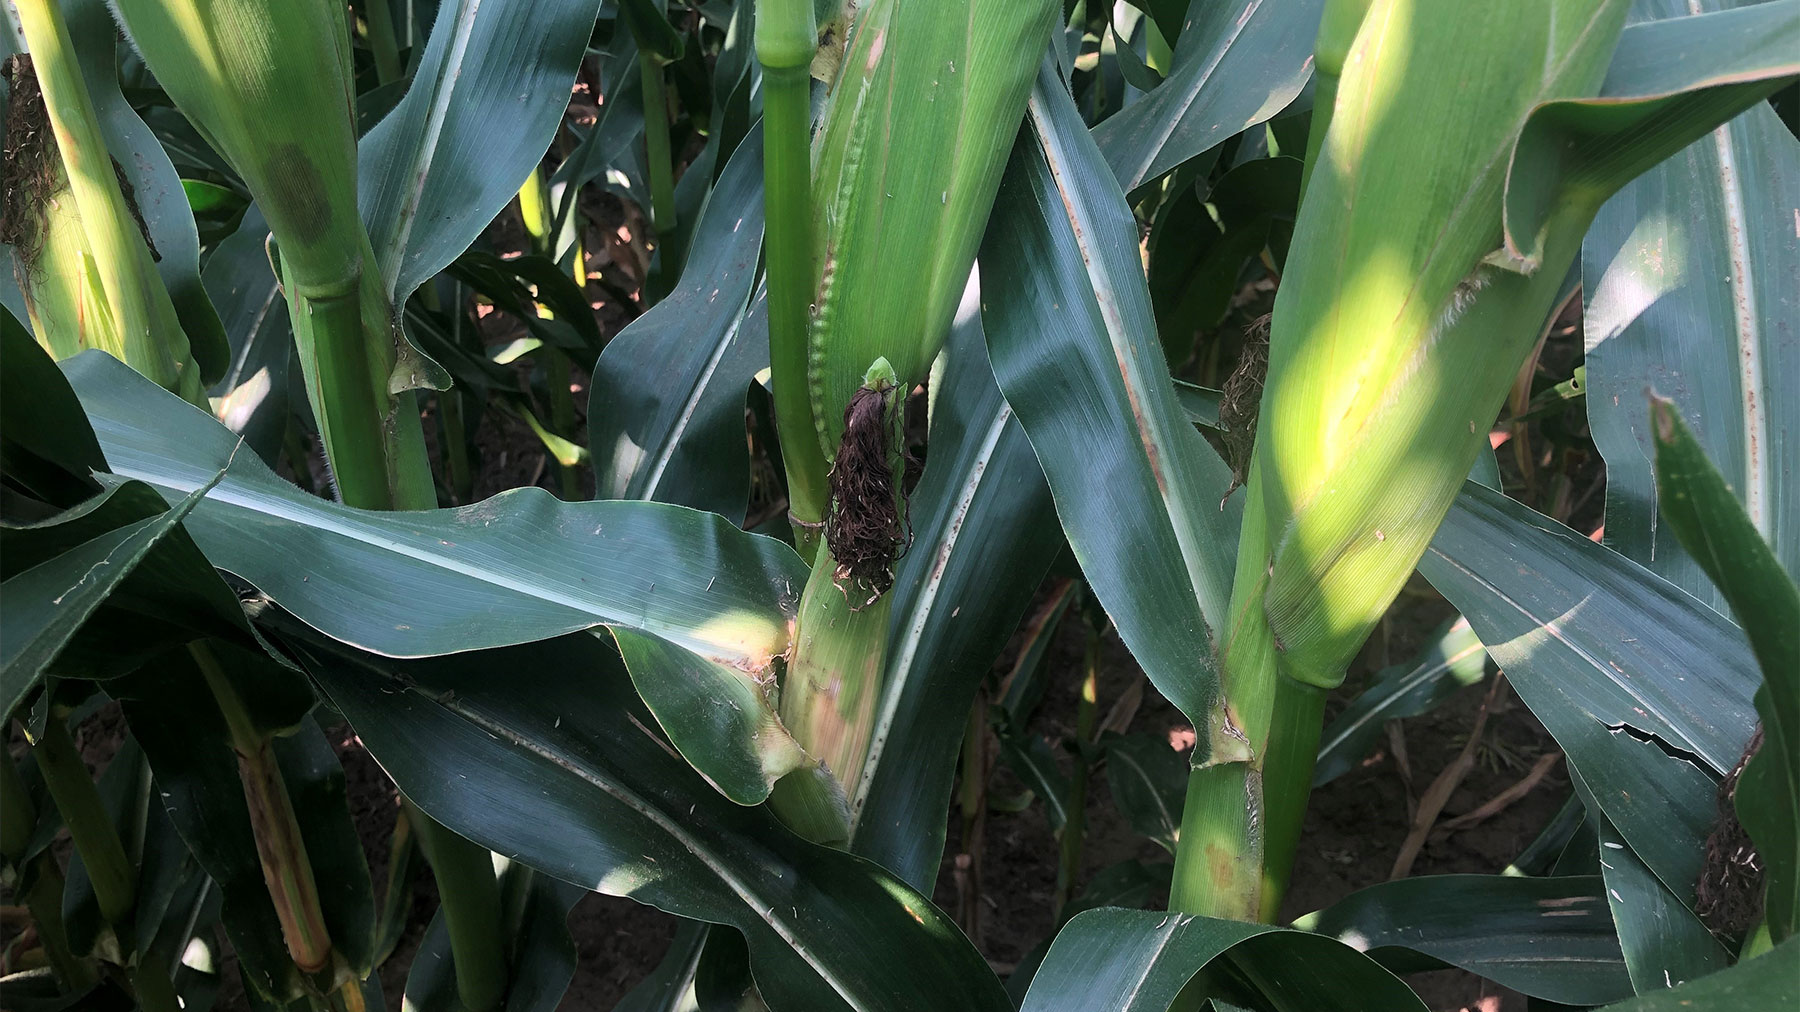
{"x":85,"y":265}
{"x":918,"y":130}
{"x":63,"y":294}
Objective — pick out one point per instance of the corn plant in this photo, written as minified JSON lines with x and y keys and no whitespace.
{"x":910,"y":295}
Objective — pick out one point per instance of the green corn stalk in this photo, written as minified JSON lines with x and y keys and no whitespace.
{"x":96,"y":839}
{"x":269,"y":86}
{"x":86,"y":267}
{"x":917,"y":132}
{"x":1387,"y":364}
{"x":658,"y":46}
{"x":44,"y":894}
{"x":785,"y":41}
{"x":470,"y":894}
{"x":1409,"y":302}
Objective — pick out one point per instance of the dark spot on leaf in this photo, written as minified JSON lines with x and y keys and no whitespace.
{"x":297,"y":193}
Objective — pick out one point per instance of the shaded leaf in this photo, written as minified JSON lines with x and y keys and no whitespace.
{"x":1235,"y":65}
{"x":1140,"y":960}
{"x":1550,"y":938}
{"x":1030,"y":758}
{"x":562,"y":774}
{"x":486,"y":98}
{"x":1768,"y":981}
{"x":520,"y":566}
{"x":49,"y":603}
{"x":1149,"y":784}
{"x":46,"y":444}
{"x":1073,"y":344}
{"x":666,"y":406}
{"x":1452,"y":659}
{"x":1724,"y":540}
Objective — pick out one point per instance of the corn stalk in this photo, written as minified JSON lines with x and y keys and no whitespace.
{"x":1402,"y":318}
{"x":916,"y":135}
{"x":269,"y":86}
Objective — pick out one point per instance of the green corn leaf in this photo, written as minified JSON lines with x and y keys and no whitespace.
{"x":1073,"y":342}
{"x":519,"y":567}
{"x":560,"y":774}
{"x":666,"y":406}
{"x":1663,"y":940}
{"x":1140,"y":960}
{"x":485,"y":101}
{"x":1627,"y":651}
{"x":1236,"y":65}
{"x":1630,"y":675}
{"x":1550,"y":938}
{"x":1684,"y":287}
{"x":1764,"y":982}
{"x":1670,"y":82}
{"x":50,"y":602}
{"x":906,"y":168}
{"x":1725,"y":542}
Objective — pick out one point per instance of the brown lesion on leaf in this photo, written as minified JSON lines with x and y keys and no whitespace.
{"x":300,"y":198}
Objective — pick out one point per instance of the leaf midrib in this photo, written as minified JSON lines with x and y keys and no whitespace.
{"x":324,"y":518}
